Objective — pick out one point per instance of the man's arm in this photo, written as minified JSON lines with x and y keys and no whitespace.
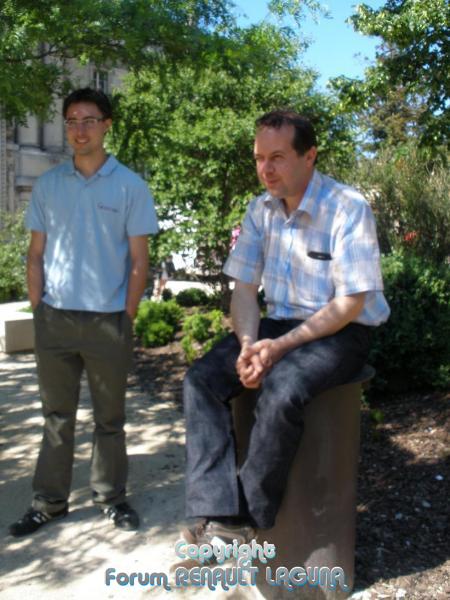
{"x":333,"y":317}
{"x":35,"y":267}
{"x":138,"y":274}
{"x":245,"y":315}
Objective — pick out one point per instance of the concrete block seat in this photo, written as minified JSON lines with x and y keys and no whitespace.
{"x":315,"y":526}
{"x":16,"y":327}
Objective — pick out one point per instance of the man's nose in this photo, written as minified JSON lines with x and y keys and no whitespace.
{"x":266,"y":166}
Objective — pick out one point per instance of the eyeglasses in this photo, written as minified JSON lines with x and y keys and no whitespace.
{"x":88,"y":122}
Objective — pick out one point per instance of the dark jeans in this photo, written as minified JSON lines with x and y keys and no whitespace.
{"x":66,"y":343}
{"x":213,"y":485}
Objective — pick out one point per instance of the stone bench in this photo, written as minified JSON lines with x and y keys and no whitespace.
{"x":315,"y":526}
{"x":16,"y":327}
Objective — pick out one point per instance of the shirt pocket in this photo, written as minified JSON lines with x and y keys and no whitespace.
{"x":315,"y":280}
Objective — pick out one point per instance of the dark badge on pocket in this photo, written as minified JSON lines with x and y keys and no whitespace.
{"x":319,"y":255}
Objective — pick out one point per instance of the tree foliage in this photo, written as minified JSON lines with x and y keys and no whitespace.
{"x":412,"y":60}
{"x":38,"y":36}
{"x":13,"y":251}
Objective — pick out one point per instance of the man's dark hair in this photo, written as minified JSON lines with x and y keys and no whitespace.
{"x":97,"y":97}
{"x":304,"y":136}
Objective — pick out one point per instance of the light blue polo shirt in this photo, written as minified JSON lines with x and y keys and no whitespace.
{"x":88,"y":223}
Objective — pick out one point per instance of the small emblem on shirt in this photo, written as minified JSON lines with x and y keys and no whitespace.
{"x":319,"y":255}
{"x":108,"y":208}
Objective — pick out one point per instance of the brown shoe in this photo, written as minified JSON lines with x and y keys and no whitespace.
{"x":213,"y":533}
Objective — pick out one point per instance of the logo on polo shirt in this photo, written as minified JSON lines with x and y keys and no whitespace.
{"x":108,"y":208}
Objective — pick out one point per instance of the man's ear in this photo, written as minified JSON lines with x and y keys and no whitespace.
{"x":311,"y":155}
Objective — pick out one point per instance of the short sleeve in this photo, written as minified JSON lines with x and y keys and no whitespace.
{"x":35,"y":215}
{"x":356,"y":261}
{"x":141,"y":216}
{"x":246,"y":260}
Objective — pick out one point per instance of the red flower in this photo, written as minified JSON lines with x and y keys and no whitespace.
{"x":410,"y":237}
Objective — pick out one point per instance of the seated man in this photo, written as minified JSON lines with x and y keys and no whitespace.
{"x":311,"y":242}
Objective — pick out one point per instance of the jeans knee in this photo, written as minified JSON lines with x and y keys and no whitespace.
{"x":282,"y":400}
{"x":196,"y":381}
{"x":192,"y":379}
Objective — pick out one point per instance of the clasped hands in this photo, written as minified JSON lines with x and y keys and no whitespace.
{"x":255,"y":360}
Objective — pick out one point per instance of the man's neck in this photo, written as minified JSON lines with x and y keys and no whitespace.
{"x":291,"y":203}
{"x":89,"y":165}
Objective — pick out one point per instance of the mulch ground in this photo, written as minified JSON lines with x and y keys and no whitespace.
{"x":402,"y":548}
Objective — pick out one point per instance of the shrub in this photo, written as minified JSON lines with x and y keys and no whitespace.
{"x":201,"y":332}
{"x":166,"y":294}
{"x":410,"y":196}
{"x":157,"y":322}
{"x":412,"y":350}
{"x":192,"y":297}
{"x":13,"y":251}
{"x":157,"y":333}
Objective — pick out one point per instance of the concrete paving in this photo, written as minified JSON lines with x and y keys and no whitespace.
{"x":68,"y":559}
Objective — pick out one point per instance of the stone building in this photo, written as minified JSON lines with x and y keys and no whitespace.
{"x":27,"y":151}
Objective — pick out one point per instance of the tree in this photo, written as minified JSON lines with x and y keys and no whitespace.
{"x":192,"y":135}
{"x":413,"y":59}
{"x":38,"y":36}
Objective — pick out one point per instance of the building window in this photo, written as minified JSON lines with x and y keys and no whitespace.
{"x":100,"y":80}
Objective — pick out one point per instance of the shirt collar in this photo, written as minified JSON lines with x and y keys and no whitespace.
{"x":106,"y":169}
{"x":309,"y":202}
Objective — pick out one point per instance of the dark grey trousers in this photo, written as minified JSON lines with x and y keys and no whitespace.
{"x":66,"y":343}
{"x":213,"y":485}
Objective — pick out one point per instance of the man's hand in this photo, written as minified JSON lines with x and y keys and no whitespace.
{"x":255,"y":360}
{"x":269,"y":351}
{"x":249,"y":367}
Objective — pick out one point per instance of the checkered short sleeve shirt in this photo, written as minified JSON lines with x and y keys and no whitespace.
{"x":326,"y":248}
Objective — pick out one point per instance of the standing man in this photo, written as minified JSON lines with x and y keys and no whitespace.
{"x":87,"y":268}
{"x":311,"y":242}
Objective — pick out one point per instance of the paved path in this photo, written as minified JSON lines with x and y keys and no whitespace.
{"x":68,"y":559}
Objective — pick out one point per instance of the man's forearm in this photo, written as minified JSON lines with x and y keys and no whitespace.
{"x":245,"y":314}
{"x":136,"y":286}
{"x":35,"y":279}
{"x":328,"y":320}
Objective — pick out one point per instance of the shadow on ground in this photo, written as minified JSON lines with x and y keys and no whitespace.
{"x":61,"y":552}
{"x":402,"y":505}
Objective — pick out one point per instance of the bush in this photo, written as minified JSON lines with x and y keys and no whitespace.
{"x":157,"y":322}
{"x":412,"y":350}
{"x":192,"y":297}
{"x":201,"y":332}
{"x":166,"y":294}
{"x":157,"y":333}
{"x":13,"y":252}
{"x":410,"y":196}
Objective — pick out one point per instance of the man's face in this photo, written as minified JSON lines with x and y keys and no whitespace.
{"x":84,"y":134}
{"x":283,"y":172}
